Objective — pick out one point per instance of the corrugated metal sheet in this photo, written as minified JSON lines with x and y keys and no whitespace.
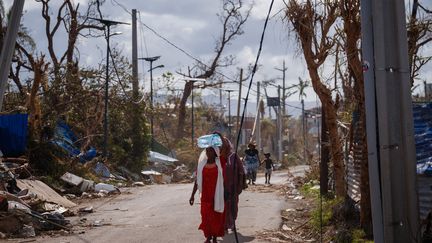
{"x":423,"y":138}
{"x":353,"y":179}
{"x":424,"y":195}
{"x":355,"y":158}
{"x":13,"y":134}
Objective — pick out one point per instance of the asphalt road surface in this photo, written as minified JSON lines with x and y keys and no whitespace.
{"x":161,"y":213}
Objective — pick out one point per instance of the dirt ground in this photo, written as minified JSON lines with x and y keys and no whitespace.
{"x":161,"y":213}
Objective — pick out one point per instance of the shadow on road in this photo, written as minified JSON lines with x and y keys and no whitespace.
{"x":230,"y":238}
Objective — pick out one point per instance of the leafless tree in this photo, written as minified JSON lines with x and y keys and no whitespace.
{"x":313,"y":26}
{"x":232,"y":19}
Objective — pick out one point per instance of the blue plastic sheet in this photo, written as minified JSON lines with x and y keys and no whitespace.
{"x":13,"y":134}
{"x":65,"y":138}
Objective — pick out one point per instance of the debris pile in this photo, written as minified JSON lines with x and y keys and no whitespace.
{"x":28,"y":206}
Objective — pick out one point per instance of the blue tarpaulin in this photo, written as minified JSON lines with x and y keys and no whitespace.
{"x":13,"y":134}
{"x":65,"y":138}
{"x":423,"y":137}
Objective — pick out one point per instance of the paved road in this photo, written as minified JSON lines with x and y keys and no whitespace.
{"x":160,"y":213}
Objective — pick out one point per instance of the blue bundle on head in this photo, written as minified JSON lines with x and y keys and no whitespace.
{"x":211,"y":140}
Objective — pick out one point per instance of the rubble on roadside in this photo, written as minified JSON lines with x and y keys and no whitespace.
{"x":295,"y":225}
{"x":28,"y":206}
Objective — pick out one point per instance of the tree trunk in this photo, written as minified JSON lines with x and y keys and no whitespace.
{"x":182,"y":109}
{"x":325,"y":155}
{"x":331,"y":121}
{"x":350,"y":11}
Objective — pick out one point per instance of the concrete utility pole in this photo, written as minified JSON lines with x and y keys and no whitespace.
{"x":258,"y":124}
{"x":389,"y":121}
{"x":8,"y":47}
{"x":134,"y":57}
{"x":283,"y":70}
{"x":304,"y":132}
{"x":229,"y":111}
{"x":279,"y":123}
{"x":239,"y":100}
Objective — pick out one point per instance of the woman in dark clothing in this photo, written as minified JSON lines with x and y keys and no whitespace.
{"x":252,"y":162}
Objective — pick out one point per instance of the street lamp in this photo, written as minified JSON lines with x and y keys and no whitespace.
{"x":108,"y":24}
{"x":151,"y":60}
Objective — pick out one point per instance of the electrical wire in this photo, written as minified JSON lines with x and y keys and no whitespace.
{"x":176,"y":46}
{"x":246,"y":100}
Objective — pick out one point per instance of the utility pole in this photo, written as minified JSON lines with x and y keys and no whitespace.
{"x":279,"y":123}
{"x":239,"y":100}
{"x":258,"y":124}
{"x":136,"y":126}
{"x":269,"y":108}
{"x":134,"y":57}
{"x":389,"y":120}
{"x":325,"y":154}
{"x":304,"y":132}
{"x":8,"y":47}
{"x":229,"y":111}
{"x":283,"y":70}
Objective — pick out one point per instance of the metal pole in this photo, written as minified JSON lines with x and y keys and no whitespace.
{"x":134,"y":56}
{"x":258,"y":133}
{"x":106,"y":94}
{"x":304,"y":131}
{"x":229,"y":112}
{"x":192,"y":115}
{"x":283,"y":70}
{"x":8,"y":47}
{"x":279,"y":135}
{"x":239,"y":100}
{"x":151,"y":98}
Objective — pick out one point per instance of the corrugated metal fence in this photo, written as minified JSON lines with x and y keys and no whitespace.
{"x":423,"y":137}
{"x":354,"y":159}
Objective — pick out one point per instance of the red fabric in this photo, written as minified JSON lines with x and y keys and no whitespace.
{"x":212,"y":223}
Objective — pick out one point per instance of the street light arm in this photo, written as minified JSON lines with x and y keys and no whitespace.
{"x":153,"y":68}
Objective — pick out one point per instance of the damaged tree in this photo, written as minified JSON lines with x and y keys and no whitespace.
{"x":313,"y":25}
{"x":232,"y":20}
{"x":350,"y":35}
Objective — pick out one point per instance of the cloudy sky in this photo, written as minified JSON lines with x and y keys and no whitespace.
{"x":192,"y":25}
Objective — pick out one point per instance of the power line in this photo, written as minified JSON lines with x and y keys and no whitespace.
{"x":246,"y":100}
{"x":176,"y":46}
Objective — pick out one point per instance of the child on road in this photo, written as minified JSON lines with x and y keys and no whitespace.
{"x":269,"y":166}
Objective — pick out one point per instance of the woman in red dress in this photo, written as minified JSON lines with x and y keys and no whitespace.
{"x":210,"y":183}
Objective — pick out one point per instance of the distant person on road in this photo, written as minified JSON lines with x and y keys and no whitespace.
{"x":234,"y":181}
{"x":252,"y":162}
{"x":209,"y":182}
{"x":269,"y":166}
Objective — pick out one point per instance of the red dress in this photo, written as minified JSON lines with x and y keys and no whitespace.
{"x":212,"y":223}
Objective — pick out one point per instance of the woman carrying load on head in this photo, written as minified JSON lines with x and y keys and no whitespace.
{"x":209,"y":182}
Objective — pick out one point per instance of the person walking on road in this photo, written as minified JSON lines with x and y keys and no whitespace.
{"x":252,"y":162}
{"x":209,"y":182}
{"x":234,"y":181}
{"x":269,"y":166}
